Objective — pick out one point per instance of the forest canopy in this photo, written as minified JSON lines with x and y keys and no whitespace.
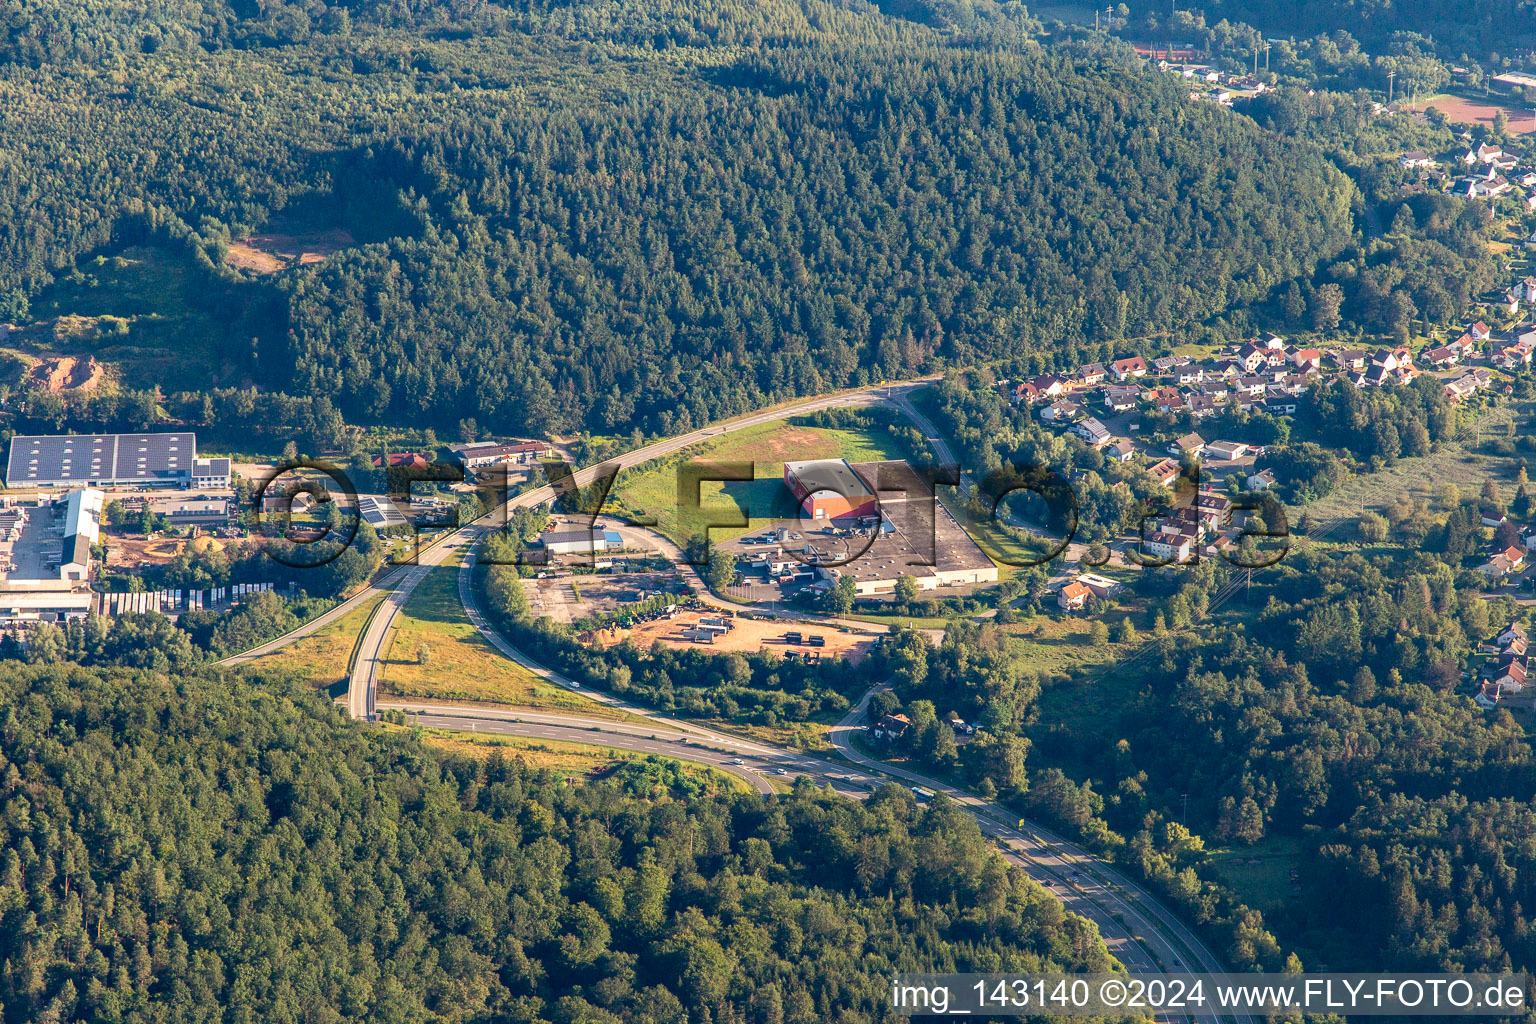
{"x":563,"y":222}
{"x":175,"y":846}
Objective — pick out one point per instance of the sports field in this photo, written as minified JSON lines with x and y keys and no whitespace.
{"x":654,"y":490}
{"x":1468,"y":111}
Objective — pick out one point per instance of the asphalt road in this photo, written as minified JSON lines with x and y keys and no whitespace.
{"x":1143,"y":935}
{"x":1140,"y":933}
{"x":403,"y":580}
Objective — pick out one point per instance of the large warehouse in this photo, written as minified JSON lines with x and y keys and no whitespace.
{"x":829,"y":489}
{"x":112,"y":460}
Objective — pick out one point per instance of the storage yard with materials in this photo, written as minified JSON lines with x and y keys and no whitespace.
{"x":717,"y":632}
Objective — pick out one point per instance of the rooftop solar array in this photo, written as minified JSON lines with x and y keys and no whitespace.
{"x":64,"y":459}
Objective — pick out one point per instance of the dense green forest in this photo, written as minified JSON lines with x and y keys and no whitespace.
{"x":1323,"y":723}
{"x":194,"y":848}
{"x":1482,"y":28}
{"x":590,"y":218}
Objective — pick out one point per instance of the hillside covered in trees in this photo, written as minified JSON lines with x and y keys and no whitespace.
{"x":175,"y":845}
{"x":586,"y":218}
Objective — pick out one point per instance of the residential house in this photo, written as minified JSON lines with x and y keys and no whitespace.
{"x":1376,"y":377}
{"x":1250,"y":357}
{"x":1049,"y":385}
{"x":1514,"y":356}
{"x":1025,"y":392}
{"x":1073,"y":597}
{"x":1092,"y":373}
{"x":891,"y":727}
{"x":1509,"y":675}
{"x":1443,"y":355}
{"x":1201,"y":406}
{"x":1101,"y":586}
{"x":1166,"y":399}
{"x":1167,"y":547}
{"x":1497,"y":567}
{"x":1165,"y":472}
{"x":1350,"y":358}
{"x":1263,"y":480}
{"x":1307,"y":358}
{"x":1480,"y":331}
{"x":1189,"y":444}
{"x":1121,"y":398}
{"x":1213,"y":509}
{"x":1252,"y":387}
{"x":1064,"y":411}
{"x":1414,"y":160}
{"x":1121,"y":451}
{"x":1124,"y":369}
{"x":1092,"y":431}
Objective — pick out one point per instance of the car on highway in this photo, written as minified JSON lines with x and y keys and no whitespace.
{"x":780,"y":771}
{"x":738,"y":761}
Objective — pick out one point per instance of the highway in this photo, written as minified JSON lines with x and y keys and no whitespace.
{"x":401,"y":581}
{"x":1144,"y":936}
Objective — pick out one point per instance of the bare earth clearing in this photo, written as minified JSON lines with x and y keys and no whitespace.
{"x":268,"y":254}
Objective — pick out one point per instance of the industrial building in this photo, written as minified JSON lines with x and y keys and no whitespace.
{"x":112,"y":460}
{"x":581,"y":541}
{"x":915,"y":536}
{"x":45,"y":555}
{"x":829,"y":489}
{"x":479,"y":454}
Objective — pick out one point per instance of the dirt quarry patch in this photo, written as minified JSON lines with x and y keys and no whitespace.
{"x":268,"y":254}
{"x":137,"y":552}
{"x":69,"y":373}
{"x":747,"y":635}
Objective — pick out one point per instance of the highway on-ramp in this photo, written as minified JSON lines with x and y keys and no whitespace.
{"x":1144,"y":936}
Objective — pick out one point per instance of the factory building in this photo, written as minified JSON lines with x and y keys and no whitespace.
{"x":112,"y":460}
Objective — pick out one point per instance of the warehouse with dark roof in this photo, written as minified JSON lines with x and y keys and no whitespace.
{"x":112,"y":460}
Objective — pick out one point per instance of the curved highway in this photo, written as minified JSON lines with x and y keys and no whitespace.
{"x":1144,"y":936}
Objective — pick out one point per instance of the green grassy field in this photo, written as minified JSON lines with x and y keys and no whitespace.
{"x":324,"y":658}
{"x":653,"y":491}
{"x":576,"y":759}
{"x":1260,"y":874}
{"x":461,"y":665}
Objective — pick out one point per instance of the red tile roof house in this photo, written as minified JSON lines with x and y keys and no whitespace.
{"x":1073,"y":597}
{"x":1165,"y":472}
{"x":1135,"y":366}
{"x":410,"y":460}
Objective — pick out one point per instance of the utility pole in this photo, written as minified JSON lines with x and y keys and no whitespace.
{"x":1266,"y":56}
{"x":1390,"y":76}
